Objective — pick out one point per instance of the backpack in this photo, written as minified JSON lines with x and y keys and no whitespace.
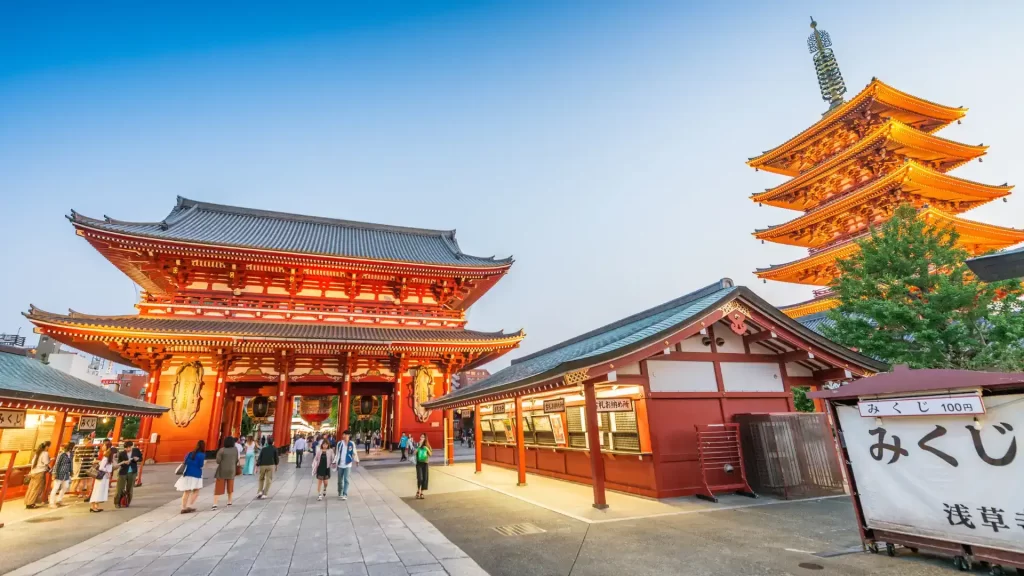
{"x":422,"y":455}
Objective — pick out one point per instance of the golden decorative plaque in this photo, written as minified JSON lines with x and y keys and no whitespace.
{"x":187,"y":386}
{"x":422,"y":391}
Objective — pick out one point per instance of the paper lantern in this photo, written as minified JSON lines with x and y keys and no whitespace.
{"x":261,"y":408}
{"x":315,"y":409}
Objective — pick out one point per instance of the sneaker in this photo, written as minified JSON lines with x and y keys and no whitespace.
{"x":259,"y":496}
{"x":214,"y":507}
{"x":344,"y":497}
{"x":319,"y":497}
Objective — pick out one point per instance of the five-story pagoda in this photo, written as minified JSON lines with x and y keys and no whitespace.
{"x":852,"y":168}
{"x":244,"y":303}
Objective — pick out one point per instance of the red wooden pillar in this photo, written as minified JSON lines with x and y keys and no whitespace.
{"x":228,"y":413}
{"x":57,"y":438}
{"x":594,"y":444}
{"x":283,"y":415}
{"x":146,"y":426}
{"x":217,"y":415}
{"x":115,"y":436}
{"x":478,"y":446}
{"x":239,"y":408}
{"x":520,"y":443}
{"x":396,"y":435}
{"x":449,"y":422}
{"x":345,"y":404}
{"x":384,"y":416}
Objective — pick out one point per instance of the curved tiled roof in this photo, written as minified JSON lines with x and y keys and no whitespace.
{"x":22,"y":378}
{"x":231,"y":226}
{"x":147,"y":325}
{"x":623,"y":337}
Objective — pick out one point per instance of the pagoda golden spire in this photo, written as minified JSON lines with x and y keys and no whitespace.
{"x":850,"y":170}
{"x":830,"y":79}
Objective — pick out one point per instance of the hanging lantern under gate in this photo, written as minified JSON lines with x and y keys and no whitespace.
{"x":315,"y":409}
{"x":261,"y":408}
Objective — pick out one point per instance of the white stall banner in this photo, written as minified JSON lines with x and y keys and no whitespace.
{"x":923,"y":406}
{"x":941,"y":477}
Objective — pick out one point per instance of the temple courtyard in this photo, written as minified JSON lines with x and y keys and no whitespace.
{"x":468,"y":525}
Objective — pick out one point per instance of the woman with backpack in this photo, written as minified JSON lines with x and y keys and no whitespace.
{"x":191,"y":477}
{"x":423,"y":453}
{"x":101,"y":471}
{"x":37,"y":475}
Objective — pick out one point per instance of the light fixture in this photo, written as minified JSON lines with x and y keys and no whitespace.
{"x":977,"y":424}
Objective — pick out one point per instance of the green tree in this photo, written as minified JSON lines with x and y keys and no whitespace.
{"x":908,"y":298}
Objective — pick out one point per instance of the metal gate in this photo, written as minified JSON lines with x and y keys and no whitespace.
{"x":790,"y":455}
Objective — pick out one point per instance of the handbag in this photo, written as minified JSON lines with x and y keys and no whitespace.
{"x":238,"y":469}
{"x":101,"y":474}
{"x":94,"y":471}
{"x":180,"y":469}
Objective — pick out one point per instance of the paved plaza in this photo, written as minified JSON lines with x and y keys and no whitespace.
{"x":373,"y":533}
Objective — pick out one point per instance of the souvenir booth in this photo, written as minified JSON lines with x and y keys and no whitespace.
{"x":647,"y":405}
{"x":933,"y":462}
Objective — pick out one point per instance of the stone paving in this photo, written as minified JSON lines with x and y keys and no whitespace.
{"x":373,"y":533}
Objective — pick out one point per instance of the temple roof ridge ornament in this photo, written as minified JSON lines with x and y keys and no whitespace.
{"x":830,"y":78}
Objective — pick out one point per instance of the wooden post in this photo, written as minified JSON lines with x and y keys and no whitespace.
{"x":345,"y":405}
{"x":146,"y":426}
{"x":115,"y":436}
{"x":283,"y":414}
{"x":594,"y":444}
{"x":213,"y":436}
{"x":239,"y":408}
{"x":520,"y":442}
{"x":57,"y":439}
{"x":476,"y":439}
{"x":399,"y":406}
{"x":449,"y":422}
{"x":383,"y":418}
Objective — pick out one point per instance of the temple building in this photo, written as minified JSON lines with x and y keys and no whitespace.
{"x":852,"y":168}
{"x":240,"y":303}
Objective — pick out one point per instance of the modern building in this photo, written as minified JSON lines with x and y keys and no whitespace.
{"x":88,"y":368}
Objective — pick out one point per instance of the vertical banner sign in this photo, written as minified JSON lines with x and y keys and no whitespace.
{"x":87,"y":423}
{"x":942,"y":476}
{"x":12,"y":419}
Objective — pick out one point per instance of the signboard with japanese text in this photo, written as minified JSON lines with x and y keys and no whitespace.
{"x":614,"y":405}
{"x":942,"y":476}
{"x":12,"y":418}
{"x":498,"y":409}
{"x":950,"y":404}
{"x":87,"y":423}
{"x":555,"y":405}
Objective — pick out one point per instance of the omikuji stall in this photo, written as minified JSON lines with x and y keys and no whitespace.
{"x":624,"y":406}
{"x":39,"y":404}
{"x":933,"y":462}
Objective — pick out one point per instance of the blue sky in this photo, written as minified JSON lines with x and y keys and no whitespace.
{"x":600,"y":143}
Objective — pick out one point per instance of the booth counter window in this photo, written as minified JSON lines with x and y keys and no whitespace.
{"x":38,"y":429}
{"x":618,"y":430}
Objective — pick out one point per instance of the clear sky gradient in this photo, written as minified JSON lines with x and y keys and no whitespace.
{"x":600,"y":143}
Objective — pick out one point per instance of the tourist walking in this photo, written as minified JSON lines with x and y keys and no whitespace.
{"x":191,"y":477}
{"x":323,"y":461}
{"x":369,"y":442}
{"x":268,"y":463}
{"x":403,"y":445}
{"x":102,"y":469}
{"x":300,"y":447}
{"x":422,"y":465}
{"x":250,"y":456}
{"x":129,"y":459}
{"x":62,"y":474}
{"x":346,"y":456}
{"x":227,"y":469}
{"x":37,"y":476}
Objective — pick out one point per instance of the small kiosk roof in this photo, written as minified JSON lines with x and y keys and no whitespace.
{"x":903,"y":380}
{"x":633,"y":333}
{"x":31,"y":382}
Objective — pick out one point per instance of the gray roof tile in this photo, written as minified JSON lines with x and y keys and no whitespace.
{"x":23,"y":378}
{"x":219,"y":225}
{"x":268,"y":329}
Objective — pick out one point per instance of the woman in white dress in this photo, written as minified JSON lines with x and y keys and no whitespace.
{"x":101,"y":487}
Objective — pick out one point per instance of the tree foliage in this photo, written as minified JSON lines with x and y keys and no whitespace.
{"x":908,"y":298}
